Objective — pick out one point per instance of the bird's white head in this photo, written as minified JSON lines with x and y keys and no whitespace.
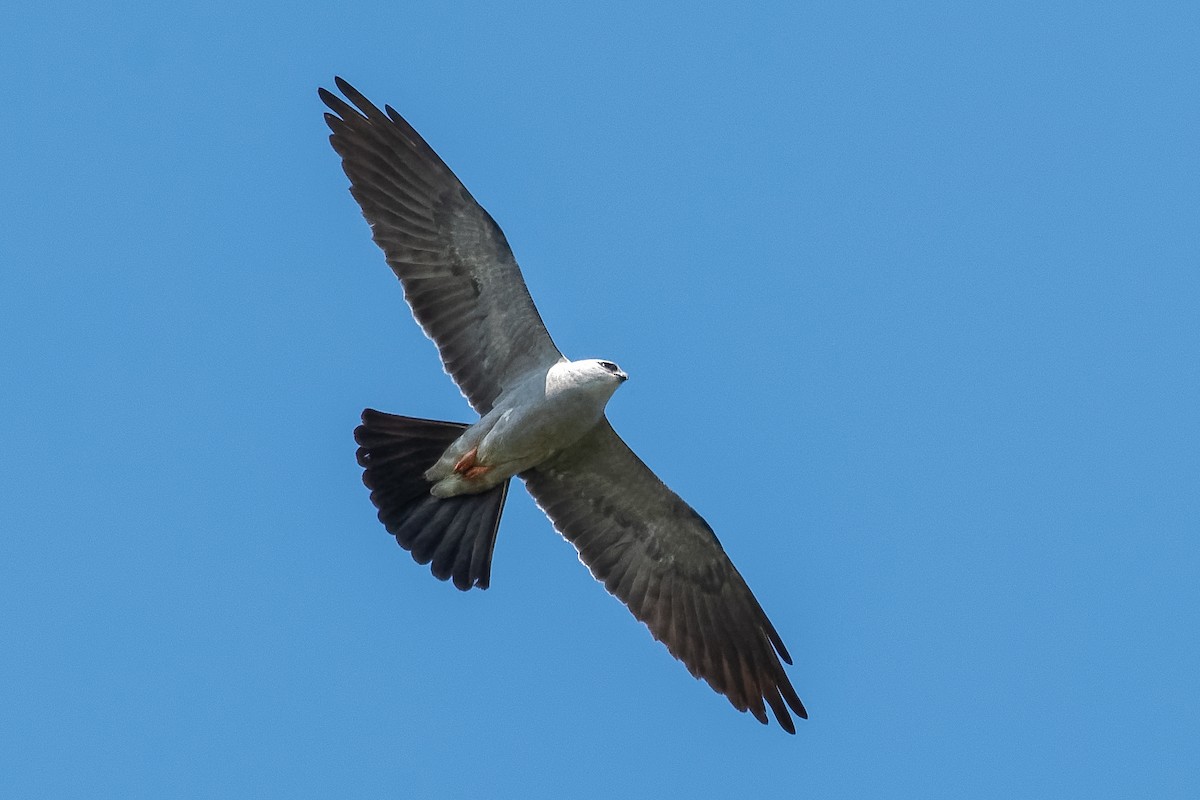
{"x":603,"y":371}
{"x":595,"y":377}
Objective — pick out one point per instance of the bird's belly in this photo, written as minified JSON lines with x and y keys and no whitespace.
{"x":524,"y":437}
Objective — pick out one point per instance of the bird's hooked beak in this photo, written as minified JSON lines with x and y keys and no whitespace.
{"x":621,"y":376}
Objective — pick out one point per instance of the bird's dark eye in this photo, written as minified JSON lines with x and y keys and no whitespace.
{"x":610,"y":366}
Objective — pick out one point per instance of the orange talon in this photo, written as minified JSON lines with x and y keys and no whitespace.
{"x":469,"y":467}
{"x":467,"y":462}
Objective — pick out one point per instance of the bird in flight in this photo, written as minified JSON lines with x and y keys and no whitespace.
{"x":440,"y":486}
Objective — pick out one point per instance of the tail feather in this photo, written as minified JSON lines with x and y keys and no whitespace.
{"x":455,"y":535}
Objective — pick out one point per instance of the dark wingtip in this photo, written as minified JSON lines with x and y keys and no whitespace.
{"x":395,"y":117}
{"x":776,"y":639}
{"x":792,"y":699}
{"x":794,"y":704}
{"x":365,"y":106}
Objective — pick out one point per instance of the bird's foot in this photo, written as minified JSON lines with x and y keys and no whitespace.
{"x":469,"y":467}
{"x":467,"y":462}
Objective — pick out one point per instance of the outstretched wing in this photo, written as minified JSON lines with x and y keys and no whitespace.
{"x":459,"y":275}
{"x":663,"y":561}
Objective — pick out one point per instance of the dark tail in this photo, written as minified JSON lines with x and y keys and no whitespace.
{"x":456,"y":534}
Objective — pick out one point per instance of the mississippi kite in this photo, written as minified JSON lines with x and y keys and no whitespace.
{"x":440,"y":486}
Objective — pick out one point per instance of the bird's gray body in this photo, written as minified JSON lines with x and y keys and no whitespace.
{"x":542,"y":414}
{"x":440,"y":486}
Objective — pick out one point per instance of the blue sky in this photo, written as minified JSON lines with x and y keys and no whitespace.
{"x":909,"y":298}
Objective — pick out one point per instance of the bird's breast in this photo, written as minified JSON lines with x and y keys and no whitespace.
{"x":536,"y":427}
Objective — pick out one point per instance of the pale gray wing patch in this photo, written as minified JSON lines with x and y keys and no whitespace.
{"x":458,"y":272}
{"x":660,"y":558}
